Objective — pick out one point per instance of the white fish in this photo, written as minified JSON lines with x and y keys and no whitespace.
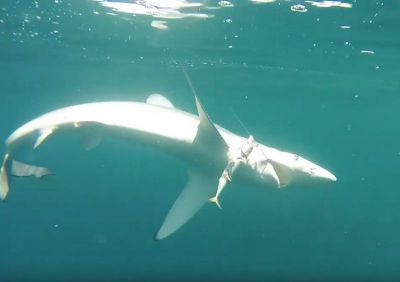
{"x":205,"y":147}
{"x":239,"y":157}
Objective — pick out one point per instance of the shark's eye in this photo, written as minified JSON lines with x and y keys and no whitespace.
{"x":296,"y":157}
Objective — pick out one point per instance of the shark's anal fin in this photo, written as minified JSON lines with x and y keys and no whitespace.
{"x":207,"y":133}
{"x":195,"y":194}
{"x":4,"y":178}
{"x":21,"y":169}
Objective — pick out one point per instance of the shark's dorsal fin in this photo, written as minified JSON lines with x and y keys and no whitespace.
{"x":195,"y":194}
{"x":159,"y":100}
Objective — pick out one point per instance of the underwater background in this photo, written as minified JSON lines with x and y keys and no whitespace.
{"x":319,"y":81}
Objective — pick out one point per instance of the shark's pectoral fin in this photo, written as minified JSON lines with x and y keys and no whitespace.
{"x":21,"y":169}
{"x":281,"y":173}
{"x":270,"y":170}
{"x":207,"y":134}
{"x":195,"y":194}
{"x":201,"y":185}
{"x":4,"y":178}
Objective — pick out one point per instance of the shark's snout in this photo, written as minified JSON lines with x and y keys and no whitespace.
{"x":323,"y":174}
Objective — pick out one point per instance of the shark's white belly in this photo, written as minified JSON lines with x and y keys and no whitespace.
{"x":154,"y":120}
{"x":168,"y":128}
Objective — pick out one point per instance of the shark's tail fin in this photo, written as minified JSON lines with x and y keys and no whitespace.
{"x":21,"y":169}
{"x":215,"y":200}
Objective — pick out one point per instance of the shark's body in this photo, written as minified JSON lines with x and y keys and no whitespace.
{"x":204,"y":146}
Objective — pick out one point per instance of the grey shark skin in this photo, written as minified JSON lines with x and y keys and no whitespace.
{"x":205,"y":147}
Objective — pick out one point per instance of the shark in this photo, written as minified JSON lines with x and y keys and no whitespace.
{"x":215,"y":156}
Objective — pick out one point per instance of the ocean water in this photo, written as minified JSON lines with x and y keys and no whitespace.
{"x":322,"y":83}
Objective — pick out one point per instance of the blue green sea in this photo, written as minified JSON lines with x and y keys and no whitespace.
{"x":317,"y":78}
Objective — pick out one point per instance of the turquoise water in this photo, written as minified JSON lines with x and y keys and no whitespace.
{"x":323,"y":84}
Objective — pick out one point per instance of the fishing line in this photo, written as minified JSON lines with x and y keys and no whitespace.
{"x":189,"y":81}
{"x":240,"y":122}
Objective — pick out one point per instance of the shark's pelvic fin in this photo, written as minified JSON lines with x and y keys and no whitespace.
{"x":90,"y":140}
{"x":159,"y":100}
{"x":4,"y":178}
{"x":23,"y":170}
{"x":195,"y":194}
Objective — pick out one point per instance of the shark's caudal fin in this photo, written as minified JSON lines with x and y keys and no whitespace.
{"x":21,"y":169}
{"x":201,"y":185}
